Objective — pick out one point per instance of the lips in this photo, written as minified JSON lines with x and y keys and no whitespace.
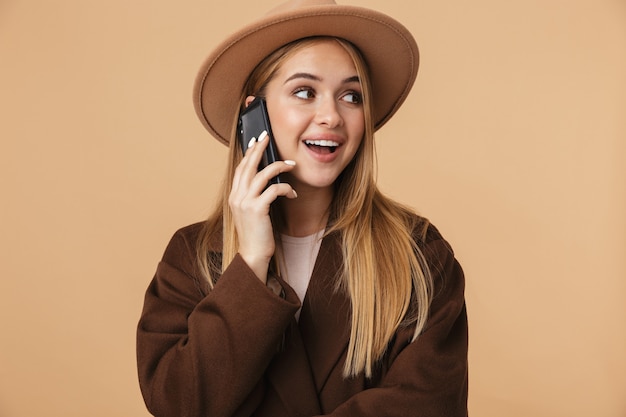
{"x":322,"y":146}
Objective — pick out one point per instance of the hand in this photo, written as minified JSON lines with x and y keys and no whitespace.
{"x":250,"y":202}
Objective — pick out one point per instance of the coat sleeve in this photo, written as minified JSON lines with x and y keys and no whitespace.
{"x":428,"y":377}
{"x":205,"y":355}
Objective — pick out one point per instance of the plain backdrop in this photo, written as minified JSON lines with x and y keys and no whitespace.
{"x":513,"y":142}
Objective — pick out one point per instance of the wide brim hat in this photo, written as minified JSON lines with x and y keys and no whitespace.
{"x":389,"y":50}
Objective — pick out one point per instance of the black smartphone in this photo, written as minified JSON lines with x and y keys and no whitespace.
{"x":253,"y":120}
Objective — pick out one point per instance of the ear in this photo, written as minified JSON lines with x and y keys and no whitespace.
{"x":249,"y":100}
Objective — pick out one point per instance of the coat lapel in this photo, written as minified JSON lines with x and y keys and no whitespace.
{"x":325,"y":317}
{"x":290,"y":374}
{"x":314,"y":346}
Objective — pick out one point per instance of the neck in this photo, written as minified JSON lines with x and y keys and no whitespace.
{"x":308,"y":213}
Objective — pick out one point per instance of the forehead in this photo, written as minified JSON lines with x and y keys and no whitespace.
{"x":319,"y":56}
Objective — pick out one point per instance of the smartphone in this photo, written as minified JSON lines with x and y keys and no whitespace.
{"x":253,"y":120}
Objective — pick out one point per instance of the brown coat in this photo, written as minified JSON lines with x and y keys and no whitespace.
{"x":238,"y":351}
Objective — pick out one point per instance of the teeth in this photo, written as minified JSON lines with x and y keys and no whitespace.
{"x":328,"y":143}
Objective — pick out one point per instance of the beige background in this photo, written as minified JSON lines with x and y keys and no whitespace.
{"x":513,"y":142}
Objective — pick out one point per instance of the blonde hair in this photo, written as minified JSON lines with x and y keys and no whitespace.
{"x":386,"y":292}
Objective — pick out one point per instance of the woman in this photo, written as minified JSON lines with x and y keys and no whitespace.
{"x":317,"y":295}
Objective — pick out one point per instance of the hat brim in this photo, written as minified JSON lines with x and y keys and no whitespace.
{"x":389,"y":49}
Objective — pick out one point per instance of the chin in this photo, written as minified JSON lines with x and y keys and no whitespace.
{"x":317,"y":181}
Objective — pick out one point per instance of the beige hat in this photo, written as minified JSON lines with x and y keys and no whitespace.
{"x":389,"y":50}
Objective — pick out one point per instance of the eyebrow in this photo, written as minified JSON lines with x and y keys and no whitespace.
{"x":307,"y":76}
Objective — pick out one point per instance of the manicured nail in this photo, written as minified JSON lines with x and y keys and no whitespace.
{"x":294,"y":193}
{"x":251,"y":143}
{"x":262,"y":136}
{"x":290,"y":162}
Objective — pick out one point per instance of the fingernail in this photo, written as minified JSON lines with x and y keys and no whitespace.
{"x":294,"y":193}
{"x":290,"y":162}
{"x":251,"y":143}
{"x":262,"y":136}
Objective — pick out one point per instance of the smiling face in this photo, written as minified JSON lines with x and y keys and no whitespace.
{"x":315,"y":106}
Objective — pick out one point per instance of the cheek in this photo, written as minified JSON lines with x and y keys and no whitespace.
{"x":282,"y":129}
{"x":284,"y":121}
{"x":357,"y":129}
{"x":358,"y":132}
{"x":288,"y":125}
{"x":286,"y":128}
{"x":354,"y":150}
{"x":279,"y":126}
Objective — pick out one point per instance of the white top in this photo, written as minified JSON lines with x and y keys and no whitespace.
{"x":299,"y":255}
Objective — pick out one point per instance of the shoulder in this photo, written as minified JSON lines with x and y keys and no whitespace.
{"x":426,"y":233}
{"x":190,"y":232}
{"x":437,"y":252}
{"x":207,"y":233}
{"x":181,"y":251}
{"x":422,"y":230}
{"x":185,"y":238}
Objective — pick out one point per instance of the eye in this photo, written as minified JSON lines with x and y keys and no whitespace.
{"x":304,"y":93}
{"x":352,"y":97}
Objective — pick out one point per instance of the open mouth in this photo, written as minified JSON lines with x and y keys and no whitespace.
{"x":322,"y":146}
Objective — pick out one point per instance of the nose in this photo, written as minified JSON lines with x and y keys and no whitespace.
{"x":328,"y":114}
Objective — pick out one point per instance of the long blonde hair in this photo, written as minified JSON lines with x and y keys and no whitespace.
{"x":386,"y":291}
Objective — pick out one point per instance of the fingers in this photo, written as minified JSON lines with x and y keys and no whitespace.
{"x":248,"y":183}
{"x":248,"y":165}
{"x":277,"y":190}
{"x":247,"y":168}
{"x":267,"y":194}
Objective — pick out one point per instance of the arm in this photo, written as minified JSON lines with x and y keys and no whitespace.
{"x":205,"y":355}
{"x":428,"y":377}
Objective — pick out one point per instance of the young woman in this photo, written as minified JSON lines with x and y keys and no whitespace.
{"x":317,"y":295}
